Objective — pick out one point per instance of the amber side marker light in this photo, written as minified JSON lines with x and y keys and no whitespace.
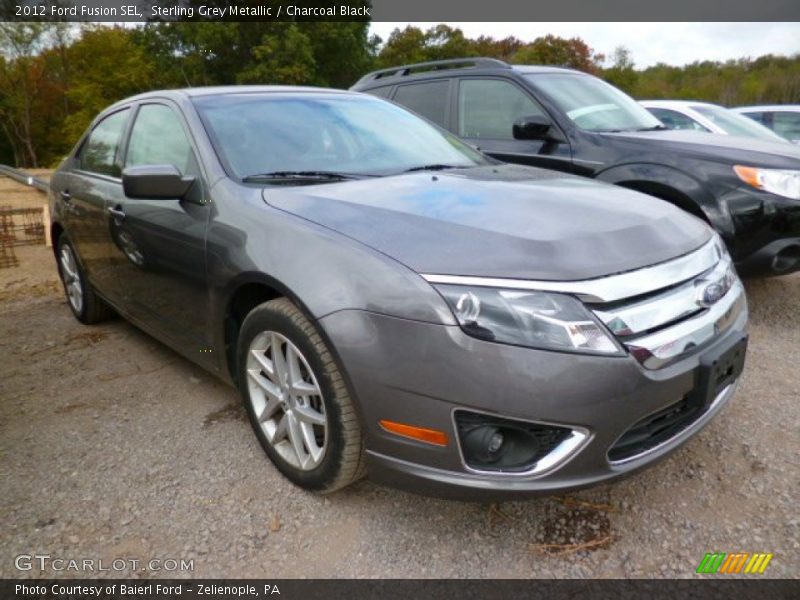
{"x":429,"y":436}
{"x":748,"y":174}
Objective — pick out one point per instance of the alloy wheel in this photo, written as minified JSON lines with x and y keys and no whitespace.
{"x":72,"y":278}
{"x":287,"y":400}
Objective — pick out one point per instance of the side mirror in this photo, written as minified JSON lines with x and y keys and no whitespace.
{"x":155,"y":182}
{"x":535,"y":127}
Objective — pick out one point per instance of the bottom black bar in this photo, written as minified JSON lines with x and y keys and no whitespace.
{"x":309,"y":589}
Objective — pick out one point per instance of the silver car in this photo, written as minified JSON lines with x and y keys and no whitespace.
{"x":783,"y":119}
{"x":389,"y":301}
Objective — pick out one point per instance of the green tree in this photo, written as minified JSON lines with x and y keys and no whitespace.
{"x":503,"y":49}
{"x":287,"y":58}
{"x":406,"y":46}
{"x":106,"y":65}
{"x":621,"y":73}
{"x":22,"y":80}
{"x":196,"y":54}
{"x":552,"y":50}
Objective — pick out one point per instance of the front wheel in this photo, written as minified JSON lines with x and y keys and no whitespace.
{"x":297,"y":400}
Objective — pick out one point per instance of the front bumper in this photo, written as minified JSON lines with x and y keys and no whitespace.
{"x":420,"y":373}
{"x":766,"y":237}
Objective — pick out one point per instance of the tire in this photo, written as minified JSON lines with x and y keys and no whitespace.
{"x":281,"y":413}
{"x":85,"y":304}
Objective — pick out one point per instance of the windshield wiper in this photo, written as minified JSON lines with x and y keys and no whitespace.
{"x":653,"y":128}
{"x":433,"y":167}
{"x":290,"y":175}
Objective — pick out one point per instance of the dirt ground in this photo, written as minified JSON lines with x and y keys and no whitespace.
{"x":112,"y":446}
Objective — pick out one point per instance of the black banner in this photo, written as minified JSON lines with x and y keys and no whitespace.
{"x":310,"y":589}
{"x":394,"y":10}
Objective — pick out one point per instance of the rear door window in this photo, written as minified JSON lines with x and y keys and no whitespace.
{"x":98,"y":154}
{"x":428,"y":99}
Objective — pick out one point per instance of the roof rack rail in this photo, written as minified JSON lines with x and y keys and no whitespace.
{"x":434,"y":65}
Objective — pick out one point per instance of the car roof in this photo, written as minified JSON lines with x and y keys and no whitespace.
{"x":676,"y":103}
{"x":545,"y":69}
{"x":449,"y":68}
{"x":221,"y":90}
{"x":769,"y":108}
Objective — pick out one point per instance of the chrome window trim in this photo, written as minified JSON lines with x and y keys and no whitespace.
{"x":612,"y":287}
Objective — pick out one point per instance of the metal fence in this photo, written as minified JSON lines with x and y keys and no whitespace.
{"x":20,"y":226}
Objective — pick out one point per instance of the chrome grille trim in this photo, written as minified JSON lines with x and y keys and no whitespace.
{"x":656,"y":311}
{"x":611,"y":288}
{"x":665,"y":346}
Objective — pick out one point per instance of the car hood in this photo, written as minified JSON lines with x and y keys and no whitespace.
{"x":499,"y":221}
{"x":719,"y":148}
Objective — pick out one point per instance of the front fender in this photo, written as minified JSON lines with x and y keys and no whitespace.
{"x":688,"y":192}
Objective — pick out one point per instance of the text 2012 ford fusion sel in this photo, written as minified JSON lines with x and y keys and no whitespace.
{"x":390,"y":301}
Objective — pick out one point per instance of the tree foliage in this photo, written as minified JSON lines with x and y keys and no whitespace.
{"x":105,"y":65}
{"x":621,"y":73}
{"x":54,"y":78}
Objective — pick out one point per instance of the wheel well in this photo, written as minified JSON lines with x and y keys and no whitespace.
{"x":667,"y":193}
{"x":244,"y":300}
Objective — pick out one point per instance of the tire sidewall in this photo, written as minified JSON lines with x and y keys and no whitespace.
{"x":63,"y":240}
{"x":267,"y":318}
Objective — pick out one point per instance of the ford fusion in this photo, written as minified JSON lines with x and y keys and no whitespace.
{"x":388,"y":301}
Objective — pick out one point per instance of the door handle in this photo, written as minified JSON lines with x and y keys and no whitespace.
{"x":117,"y":213}
{"x":66,"y":196}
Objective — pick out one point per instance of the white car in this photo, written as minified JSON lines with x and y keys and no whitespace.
{"x":702,"y":116}
{"x":783,"y":119}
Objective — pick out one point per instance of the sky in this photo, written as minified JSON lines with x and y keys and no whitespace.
{"x":671,"y":43}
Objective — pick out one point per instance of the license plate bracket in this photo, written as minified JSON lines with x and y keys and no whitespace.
{"x":718,"y":369}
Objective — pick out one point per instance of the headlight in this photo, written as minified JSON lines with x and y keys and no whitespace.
{"x":778,"y":181}
{"x":532,"y":319}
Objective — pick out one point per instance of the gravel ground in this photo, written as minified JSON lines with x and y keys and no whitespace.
{"x":112,"y":446}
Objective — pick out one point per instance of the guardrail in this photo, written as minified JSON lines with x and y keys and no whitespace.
{"x":24,"y":178}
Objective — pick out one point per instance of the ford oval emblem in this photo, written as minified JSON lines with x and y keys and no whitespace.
{"x":710,"y":294}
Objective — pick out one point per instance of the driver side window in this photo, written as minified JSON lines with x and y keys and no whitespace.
{"x":157,"y":138}
{"x":487,"y":108}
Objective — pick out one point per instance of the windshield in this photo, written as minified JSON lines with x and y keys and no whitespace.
{"x":321,"y":133}
{"x":735,"y":124}
{"x":592,"y":104}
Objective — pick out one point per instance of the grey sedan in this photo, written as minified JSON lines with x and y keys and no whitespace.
{"x":390,"y":301}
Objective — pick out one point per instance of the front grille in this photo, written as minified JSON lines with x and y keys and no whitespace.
{"x":655,"y":429}
{"x":661,"y":327}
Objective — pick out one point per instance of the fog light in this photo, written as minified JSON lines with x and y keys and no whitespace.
{"x":495,"y":442}
{"x":491,"y":443}
{"x":483,"y":443}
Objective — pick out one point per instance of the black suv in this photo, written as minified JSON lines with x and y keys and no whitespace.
{"x":570,"y":121}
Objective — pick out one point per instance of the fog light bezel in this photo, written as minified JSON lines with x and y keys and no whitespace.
{"x":561,"y":454}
